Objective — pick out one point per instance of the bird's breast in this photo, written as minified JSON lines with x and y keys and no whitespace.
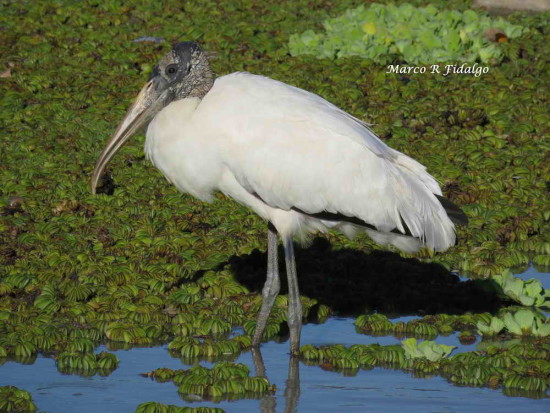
{"x":182,"y":149}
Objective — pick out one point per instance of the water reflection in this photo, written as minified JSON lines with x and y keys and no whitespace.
{"x":268,"y":403}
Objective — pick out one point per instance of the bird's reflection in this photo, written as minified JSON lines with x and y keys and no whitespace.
{"x":292,"y":390}
{"x":292,"y":387}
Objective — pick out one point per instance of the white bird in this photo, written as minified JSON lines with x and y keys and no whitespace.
{"x":298,"y":161}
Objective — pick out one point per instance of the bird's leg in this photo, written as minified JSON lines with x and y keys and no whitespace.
{"x":271,"y":287}
{"x":294,"y":303}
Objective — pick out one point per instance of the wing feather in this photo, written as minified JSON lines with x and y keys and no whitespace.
{"x":296,"y":150}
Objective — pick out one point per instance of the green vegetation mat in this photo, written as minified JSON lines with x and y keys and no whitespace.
{"x":145,"y":264}
{"x":13,"y":399}
{"x":419,"y":35}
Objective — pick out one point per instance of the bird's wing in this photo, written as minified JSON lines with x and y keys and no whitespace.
{"x":296,"y":150}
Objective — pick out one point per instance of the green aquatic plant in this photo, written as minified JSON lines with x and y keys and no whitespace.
{"x":522,"y":322}
{"x":310,"y":352}
{"x":524,"y":382}
{"x":188,"y":294}
{"x":511,"y":364}
{"x":190,"y":348}
{"x":374,"y":323}
{"x":184,"y":324}
{"x":126,"y":332}
{"x":519,"y":323}
{"x":323,"y":312}
{"x":81,"y":345}
{"x":418,"y":35}
{"x":15,"y":400}
{"x":18,"y":344}
{"x":271,"y":329}
{"x":339,"y":357}
{"x":526,"y":322}
{"x":420,"y":329}
{"x":155,"y":407}
{"x":47,"y":301}
{"x":427,"y":327}
{"x":528,"y":293}
{"x":426,"y":349}
{"x":215,"y":326}
{"x":520,"y":365}
{"x":87,"y":363}
{"x":88,"y":333}
{"x":543,"y":260}
{"x":472,"y":374}
{"x":422,"y":367}
{"x":492,"y":328}
{"x":223,"y":381}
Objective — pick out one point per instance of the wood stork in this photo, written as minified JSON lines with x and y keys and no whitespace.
{"x":295,"y":159}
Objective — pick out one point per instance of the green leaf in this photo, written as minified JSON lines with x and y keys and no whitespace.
{"x":533,"y":287}
{"x":411,"y":348}
{"x":494,"y":327}
{"x":525,"y":319}
{"x":470,"y":16}
{"x":511,"y":324}
{"x":513,"y":287}
{"x":426,"y":349}
{"x":542,"y":329}
{"x":430,"y":40}
{"x":526,"y":300}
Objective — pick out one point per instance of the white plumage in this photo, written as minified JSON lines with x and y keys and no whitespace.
{"x":274,"y":147}
{"x":295,"y":159}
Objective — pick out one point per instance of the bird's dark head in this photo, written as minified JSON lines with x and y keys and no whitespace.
{"x":182,"y":73}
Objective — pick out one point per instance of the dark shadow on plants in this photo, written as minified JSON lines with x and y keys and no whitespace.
{"x":351,"y":282}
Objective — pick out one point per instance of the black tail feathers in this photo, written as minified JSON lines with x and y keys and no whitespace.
{"x":455,"y":214}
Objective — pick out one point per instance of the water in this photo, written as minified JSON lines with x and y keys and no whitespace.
{"x":531,"y":272}
{"x":377,"y":390}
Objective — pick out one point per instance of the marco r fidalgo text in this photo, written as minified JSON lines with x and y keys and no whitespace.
{"x":445,"y":70}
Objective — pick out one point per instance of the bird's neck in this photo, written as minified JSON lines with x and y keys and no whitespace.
{"x":203,"y":79}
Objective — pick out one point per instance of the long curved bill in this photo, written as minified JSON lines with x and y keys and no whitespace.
{"x":139,"y":113}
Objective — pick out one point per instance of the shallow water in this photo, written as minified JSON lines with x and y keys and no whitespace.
{"x":378,"y":390}
{"x":531,"y":272}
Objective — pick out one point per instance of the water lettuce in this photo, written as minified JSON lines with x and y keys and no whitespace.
{"x":528,"y":293}
{"x":426,"y":349}
{"x":13,"y":399}
{"x":418,"y":35}
{"x":524,"y":322}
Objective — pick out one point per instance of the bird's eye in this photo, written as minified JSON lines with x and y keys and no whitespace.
{"x":171,"y":69}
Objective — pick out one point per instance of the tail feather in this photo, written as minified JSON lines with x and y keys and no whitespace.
{"x":453,"y":212}
{"x":424,"y":203}
{"x":415,"y":194}
{"x":404,"y":243}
